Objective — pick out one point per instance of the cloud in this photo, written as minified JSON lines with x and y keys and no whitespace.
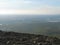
{"x":14,"y":4}
{"x":29,"y":7}
{"x":55,"y":10}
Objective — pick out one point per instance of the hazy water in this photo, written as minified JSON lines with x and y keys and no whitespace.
{"x":47,"y":25}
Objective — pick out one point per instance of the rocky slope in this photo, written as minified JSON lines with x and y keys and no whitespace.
{"x":13,"y":38}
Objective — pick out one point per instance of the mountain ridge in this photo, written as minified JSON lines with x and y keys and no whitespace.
{"x":15,"y":38}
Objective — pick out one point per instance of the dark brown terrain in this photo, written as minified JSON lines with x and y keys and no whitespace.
{"x":13,"y":38}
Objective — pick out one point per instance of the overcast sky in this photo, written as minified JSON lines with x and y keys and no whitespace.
{"x":29,"y":6}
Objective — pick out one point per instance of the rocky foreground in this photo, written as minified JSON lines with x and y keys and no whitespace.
{"x":13,"y":38}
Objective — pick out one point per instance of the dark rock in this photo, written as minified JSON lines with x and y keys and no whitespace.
{"x":13,"y":38}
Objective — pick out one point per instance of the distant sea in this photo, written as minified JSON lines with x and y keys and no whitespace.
{"x":37,"y":24}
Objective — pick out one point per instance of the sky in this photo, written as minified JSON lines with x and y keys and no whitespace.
{"x":29,"y":6}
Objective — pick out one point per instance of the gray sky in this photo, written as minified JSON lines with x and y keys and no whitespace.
{"x":29,"y":6}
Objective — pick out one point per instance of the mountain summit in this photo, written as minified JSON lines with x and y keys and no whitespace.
{"x":14,"y":38}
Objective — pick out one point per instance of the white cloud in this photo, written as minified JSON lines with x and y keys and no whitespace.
{"x":13,"y":4}
{"x":34,"y":11}
{"x":14,"y":7}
